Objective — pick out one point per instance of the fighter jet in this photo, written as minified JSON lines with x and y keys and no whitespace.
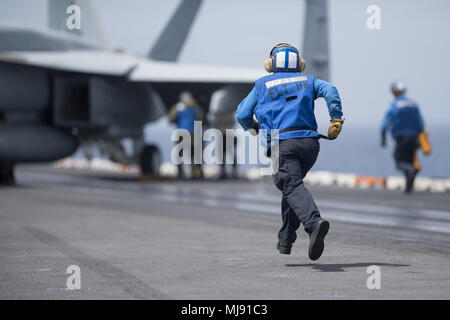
{"x":61,"y":88}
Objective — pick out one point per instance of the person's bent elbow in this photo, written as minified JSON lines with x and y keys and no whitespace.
{"x":244,"y":119}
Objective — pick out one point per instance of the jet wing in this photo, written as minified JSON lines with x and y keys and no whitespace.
{"x":84,"y":61}
{"x":138,"y":69}
{"x":159,"y":71}
{"x":57,"y":50}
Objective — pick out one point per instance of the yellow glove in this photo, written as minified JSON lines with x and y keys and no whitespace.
{"x":424,"y":143}
{"x":335,"y":128}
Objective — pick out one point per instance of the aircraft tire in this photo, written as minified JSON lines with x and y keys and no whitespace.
{"x":7,"y":173}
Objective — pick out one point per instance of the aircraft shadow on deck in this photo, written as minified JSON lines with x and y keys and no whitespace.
{"x":340,"y":267}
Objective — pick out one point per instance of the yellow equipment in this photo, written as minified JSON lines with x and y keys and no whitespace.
{"x":424,"y":143}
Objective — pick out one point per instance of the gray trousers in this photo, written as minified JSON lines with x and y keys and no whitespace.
{"x":296,"y":158}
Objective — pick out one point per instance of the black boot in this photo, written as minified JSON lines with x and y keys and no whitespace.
{"x":285,"y":248}
{"x":410,"y":177}
{"x":316,"y":244}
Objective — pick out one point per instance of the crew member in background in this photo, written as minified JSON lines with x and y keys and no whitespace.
{"x":407,"y":128}
{"x":284,"y":101}
{"x":184,"y":114}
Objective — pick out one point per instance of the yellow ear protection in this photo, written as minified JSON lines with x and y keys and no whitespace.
{"x":269,"y":62}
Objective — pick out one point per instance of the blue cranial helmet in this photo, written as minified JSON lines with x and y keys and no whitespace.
{"x":284,"y":58}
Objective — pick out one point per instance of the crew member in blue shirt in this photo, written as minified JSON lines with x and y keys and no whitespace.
{"x":406,"y":123}
{"x":184,"y":114}
{"x":283,"y":101}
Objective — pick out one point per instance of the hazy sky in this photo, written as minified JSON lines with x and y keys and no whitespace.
{"x":413,"y":44}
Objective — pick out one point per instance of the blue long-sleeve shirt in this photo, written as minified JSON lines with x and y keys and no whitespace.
{"x":403,"y":118}
{"x":246,"y":108}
